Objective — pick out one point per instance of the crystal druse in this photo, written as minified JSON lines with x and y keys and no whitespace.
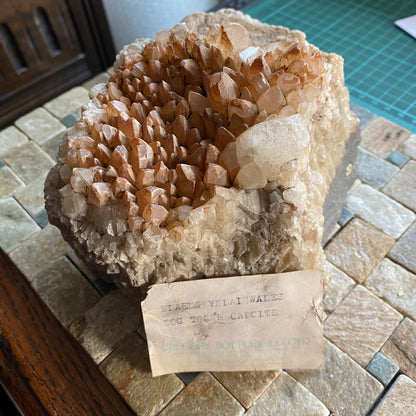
{"x":209,"y":153}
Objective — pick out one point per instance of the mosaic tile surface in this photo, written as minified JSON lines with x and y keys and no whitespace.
{"x":371,"y":258}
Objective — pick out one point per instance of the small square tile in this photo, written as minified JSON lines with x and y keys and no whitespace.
{"x":397,"y":158}
{"x":69,"y":120}
{"x":67,"y":293}
{"x":379,"y":210}
{"x":395,"y":285}
{"x":358,"y":248}
{"x":42,"y":218}
{"x":11,"y":137}
{"x":363,"y":114}
{"x":187,"y":377}
{"x":404,"y":250}
{"x":15,"y":224}
{"x":247,"y":386}
{"x":346,"y":216}
{"x":31,"y":197}
{"x":98,"y":79}
{"x":399,"y":400}
{"x":39,"y":252}
{"x":401,"y":347}
{"x":204,"y":396}
{"x":361,"y":324}
{"x":382,"y":368}
{"x":128,"y":370}
{"x":287,"y":397}
{"x":30,"y":162}
{"x":338,"y":287}
{"x":40,"y":125}
{"x":51,"y":147}
{"x":374,"y":170}
{"x":409,"y":147}
{"x":68,"y":102}
{"x":381,"y":136}
{"x":340,"y":384}
{"x":403,"y":186}
{"x":106,"y":324}
{"x":9,"y":182}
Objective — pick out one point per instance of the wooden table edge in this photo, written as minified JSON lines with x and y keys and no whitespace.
{"x":42,"y":366}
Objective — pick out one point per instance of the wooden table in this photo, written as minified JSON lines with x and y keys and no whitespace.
{"x":42,"y":366}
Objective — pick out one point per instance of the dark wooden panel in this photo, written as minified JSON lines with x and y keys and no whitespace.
{"x":34,"y":33}
{"x":46,"y":47}
{"x":41,"y":365}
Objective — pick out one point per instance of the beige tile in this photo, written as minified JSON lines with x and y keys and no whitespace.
{"x":98,"y":280}
{"x":68,"y":102}
{"x":379,"y":210}
{"x":333,"y":232}
{"x":51,"y":147}
{"x":31,"y":196}
{"x":358,"y":248}
{"x":338,"y":287}
{"x":373,"y":170}
{"x":403,"y":186}
{"x":63,"y":288}
{"x":361,"y":324}
{"x":247,"y":386}
{"x":29,"y":161}
{"x":404,"y":250}
{"x":409,"y":147}
{"x":287,"y":397}
{"x":342,"y":385}
{"x":40,"y":125}
{"x":9,"y":182}
{"x":11,"y":137}
{"x":39,"y":252}
{"x":103,"y":77}
{"x":395,"y":285}
{"x":399,"y":400}
{"x":204,"y":396}
{"x":381,"y":136}
{"x":106,"y":324}
{"x":16,"y":225}
{"x":401,"y":347}
{"x":128,"y":370}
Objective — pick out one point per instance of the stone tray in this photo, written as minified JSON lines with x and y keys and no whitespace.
{"x":370,"y":331}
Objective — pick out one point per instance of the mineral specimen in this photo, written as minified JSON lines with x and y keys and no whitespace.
{"x":208,"y":153}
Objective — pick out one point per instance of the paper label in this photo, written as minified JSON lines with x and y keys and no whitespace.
{"x":241,"y":323}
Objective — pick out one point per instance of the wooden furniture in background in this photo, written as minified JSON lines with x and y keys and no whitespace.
{"x":46,"y":47}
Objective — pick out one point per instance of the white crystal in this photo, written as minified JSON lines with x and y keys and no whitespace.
{"x":162,"y":36}
{"x":251,"y":176}
{"x":250,"y":54}
{"x":97,"y":89}
{"x":75,"y":206}
{"x":272,"y":144}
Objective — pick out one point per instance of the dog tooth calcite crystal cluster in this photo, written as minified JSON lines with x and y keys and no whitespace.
{"x":208,"y":153}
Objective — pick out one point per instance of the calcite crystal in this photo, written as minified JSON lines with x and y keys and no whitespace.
{"x":209,"y":153}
